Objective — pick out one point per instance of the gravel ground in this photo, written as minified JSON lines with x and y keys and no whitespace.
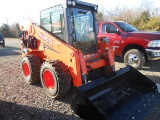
{"x":20,"y":101}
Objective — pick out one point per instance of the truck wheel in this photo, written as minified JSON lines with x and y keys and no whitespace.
{"x":134,"y":58}
{"x":31,"y":69}
{"x":55,"y":78}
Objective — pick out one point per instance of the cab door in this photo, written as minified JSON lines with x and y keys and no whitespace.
{"x":110,"y":31}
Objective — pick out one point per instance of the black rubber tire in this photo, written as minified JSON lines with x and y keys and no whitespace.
{"x":34,"y":64}
{"x":138,"y":54}
{"x":62,"y":78}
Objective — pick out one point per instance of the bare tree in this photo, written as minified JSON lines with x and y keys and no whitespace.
{"x":147,"y":5}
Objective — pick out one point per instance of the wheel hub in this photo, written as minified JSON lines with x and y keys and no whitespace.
{"x":49,"y":80}
{"x":26,"y":69}
{"x":133,"y":59}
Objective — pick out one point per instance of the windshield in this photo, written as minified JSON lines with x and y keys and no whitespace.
{"x":83,"y":30}
{"x":126,"y":27}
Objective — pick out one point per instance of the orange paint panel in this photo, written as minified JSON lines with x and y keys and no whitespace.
{"x":111,"y":57}
{"x":76,"y":67}
{"x":55,"y":50}
{"x":82,"y":63}
{"x":98,"y":64}
{"x":110,"y":54}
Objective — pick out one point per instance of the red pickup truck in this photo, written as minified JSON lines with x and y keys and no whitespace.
{"x":128,"y":42}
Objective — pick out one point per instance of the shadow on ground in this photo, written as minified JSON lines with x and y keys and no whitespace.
{"x":119,"y":59}
{"x":65,"y":99}
{"x":152,"y":65}
{"x":7,"y":51}
{"x":13,"y":111}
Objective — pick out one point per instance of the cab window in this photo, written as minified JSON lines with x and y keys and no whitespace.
{"x":52,"y":20}
{"x":108,"y":27}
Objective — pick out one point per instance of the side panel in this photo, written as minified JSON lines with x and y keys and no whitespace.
{"x":51,"y":48}
{"x":107,"y":50}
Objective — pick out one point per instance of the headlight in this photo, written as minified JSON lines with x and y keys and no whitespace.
{"x":73,"y":3}
{"x":154,"y":43}
{"x":69,"y":2}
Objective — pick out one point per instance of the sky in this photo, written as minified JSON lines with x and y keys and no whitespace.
{"x":17,"y":10}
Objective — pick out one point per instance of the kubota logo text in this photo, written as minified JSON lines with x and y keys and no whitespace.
{"x":45,"y":38}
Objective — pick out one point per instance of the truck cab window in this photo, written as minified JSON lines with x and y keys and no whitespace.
{"x":125,"y":27}
{"x":52,"y":20}
{"x":108,"y":27}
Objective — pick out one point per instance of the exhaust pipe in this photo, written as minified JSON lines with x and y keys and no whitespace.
{"x":127,"y":96}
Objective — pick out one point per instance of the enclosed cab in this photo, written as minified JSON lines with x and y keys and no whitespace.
{"x":71,"y":22}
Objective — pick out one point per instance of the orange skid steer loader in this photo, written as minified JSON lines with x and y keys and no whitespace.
{"x":63,"y":51}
